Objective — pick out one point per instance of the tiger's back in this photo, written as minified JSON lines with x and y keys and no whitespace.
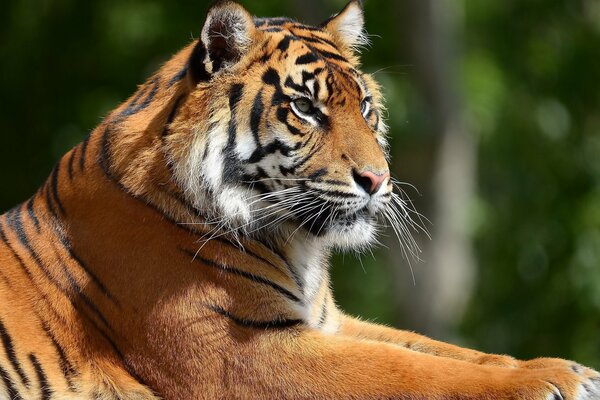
{"x":54,"y":320}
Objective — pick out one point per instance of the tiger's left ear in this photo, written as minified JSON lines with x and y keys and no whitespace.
{"x":348,"y":25}
{"x":227,"y":35}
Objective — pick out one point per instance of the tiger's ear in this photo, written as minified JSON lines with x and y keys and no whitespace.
{"x":227,"y":34}
{"x":348,"y":25}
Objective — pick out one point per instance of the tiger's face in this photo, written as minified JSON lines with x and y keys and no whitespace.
{"x":291,"y":138}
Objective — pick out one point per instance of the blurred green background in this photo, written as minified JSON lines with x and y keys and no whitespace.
{"x":494,"y":115}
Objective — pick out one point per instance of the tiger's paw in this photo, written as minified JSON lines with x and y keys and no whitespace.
{"x":567,"y":380}
{"x":588,"y":387}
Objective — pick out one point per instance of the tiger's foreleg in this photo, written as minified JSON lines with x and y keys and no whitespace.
{"x":356,"y":328}
{"x":311,"y":365}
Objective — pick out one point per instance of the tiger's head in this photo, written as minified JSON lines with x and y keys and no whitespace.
{"x":282,"y":134}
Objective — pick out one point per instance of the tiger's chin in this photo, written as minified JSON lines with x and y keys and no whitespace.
{"x":356,"y":233}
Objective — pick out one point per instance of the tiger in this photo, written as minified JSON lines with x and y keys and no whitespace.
{"x":181,"y":250}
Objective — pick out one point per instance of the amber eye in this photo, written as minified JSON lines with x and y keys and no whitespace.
{"x":303,"y":106}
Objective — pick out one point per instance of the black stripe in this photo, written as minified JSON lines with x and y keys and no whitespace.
{"x":280,"y":323}
{"x":13,"y":393}
{"x":286,"y":263}
{"x":317,"y":88}
{"x":104,"y":157}
{"x":76,"y":288}
{"x":318,"y":174}
{"x":235,"y":95}
{"x":282,"y":116}
{"x":307,"y":58}
{"x":334,"y":193}
{"x":291,"y":170}
{"x":54,"y":185}
{"x":323,"y":316}
{"x":15,"y":222}
{"x":32,"y":215}
{"x":70,"y":164}
{"x":232,"y":171}
{"x":271,"y":77}
{"x":65,"y":365}
{"x":84,"y":146}
{"x":49,"y":201}
{"x":255,"y":117}
{"x":273,"y":147}
{"x":284,"y":44}
{"x":278,"y":145}
{"x":246,"y":251}
{"x":134,"y":107}
{"x":308,"y":28}
{"x":336,"y":182}
{"x":178,"y":76}
{"x":27,"y":272}
{"x":289,"y":82}
{"x":317,"y":39}
{"x":11,"y":355}
{"x":254,"y":183}
{"x":172,"y":115}
{"x":69,"y":248}
{"x":45,"y":390}
{"x":119,"y":353}
{"x":376,"y":124}
{"x":333,"y":56}
{"x":244,"y":274}
{"x":90,"y":273}
{"x":139,"y":95}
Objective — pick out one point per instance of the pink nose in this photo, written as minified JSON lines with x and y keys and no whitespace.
{"x":370,"y":181}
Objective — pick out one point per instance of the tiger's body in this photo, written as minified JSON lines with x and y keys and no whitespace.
{"x":142,"y":270}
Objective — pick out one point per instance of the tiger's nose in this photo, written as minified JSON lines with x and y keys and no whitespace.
{"x":370,"y":181}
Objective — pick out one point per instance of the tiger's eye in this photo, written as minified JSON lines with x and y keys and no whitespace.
{"x":304,"y":105}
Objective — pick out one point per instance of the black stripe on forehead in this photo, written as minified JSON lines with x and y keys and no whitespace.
{"x":314,"y":45}
{"x":341,"y":77}
{"x":341,"y":87}
{"x":315,"y":54}
{"x":307,"y":28}
{"x":303,"y":87}
{"x":318,"y":40}
{"x":284,"y":44}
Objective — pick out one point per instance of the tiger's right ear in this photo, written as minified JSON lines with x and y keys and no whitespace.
{"x":227,"y":35}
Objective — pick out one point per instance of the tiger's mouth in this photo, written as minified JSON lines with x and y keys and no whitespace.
{"x":329,"y":219}
{"x":343,"y":219}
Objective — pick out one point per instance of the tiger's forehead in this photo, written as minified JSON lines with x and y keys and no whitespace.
{"x":311,"y":53}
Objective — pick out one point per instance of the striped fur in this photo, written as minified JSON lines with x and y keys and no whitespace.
{"x":180,"y":251}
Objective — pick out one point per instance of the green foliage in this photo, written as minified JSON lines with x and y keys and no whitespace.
{"x":539,"y":244}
